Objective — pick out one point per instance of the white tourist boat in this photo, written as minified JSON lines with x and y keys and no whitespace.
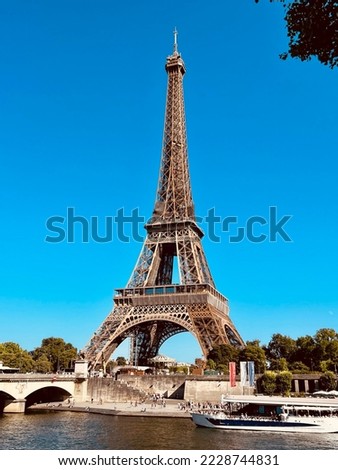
{"x":271,"y":414}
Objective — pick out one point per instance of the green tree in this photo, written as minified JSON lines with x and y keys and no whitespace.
{"x":223,"y":369}
{"x":328,"y":381}
{"x":43,"y":364}
{"x":254,"y":352}
{"x":12,"y":355}
{"x":325,"y":336}
{"x":60,"y":354}
{"x":211,"y":364}
{"x":332,"y":351}
{"x":279,"y":364}
{"x":298,"y":367}
{"x":283,"y":382}
{"x":268,"y":382}
{"x":121,"y":361}
{"x":326,"y":344}
{"x":305,"y":351}
{"x":223,"y":354}
{"x":181,"y":370}
{"x":325,"y":366}
{"x":281,"y":346}
{"x":312,"y":29}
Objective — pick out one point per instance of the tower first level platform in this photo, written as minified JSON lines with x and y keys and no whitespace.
{"x":150,"y":315}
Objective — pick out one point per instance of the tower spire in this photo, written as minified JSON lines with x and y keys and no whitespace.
{"x":174,"y":197}
{"x":175,"y":41}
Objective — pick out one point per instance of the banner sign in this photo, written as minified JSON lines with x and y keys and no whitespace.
{"x":232,"y":374}
{"x":251,"y":373}
{"x":244,"y":374}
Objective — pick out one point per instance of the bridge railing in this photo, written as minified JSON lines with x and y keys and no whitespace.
{"x":35,"y":377}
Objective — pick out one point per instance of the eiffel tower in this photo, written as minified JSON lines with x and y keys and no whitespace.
{"x":152,"y":308}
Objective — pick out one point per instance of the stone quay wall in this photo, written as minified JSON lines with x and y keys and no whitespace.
{"x":128,"y":388}
{"x":134,"y":388}
{"x":203,"y":389}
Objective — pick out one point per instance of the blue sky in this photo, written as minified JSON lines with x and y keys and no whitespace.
{"x":82,"y":96}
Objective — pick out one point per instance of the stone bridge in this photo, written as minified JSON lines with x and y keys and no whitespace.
{"x":18,"y":391}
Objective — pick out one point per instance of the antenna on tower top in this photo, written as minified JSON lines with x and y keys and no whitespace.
{"x":175,"y":41}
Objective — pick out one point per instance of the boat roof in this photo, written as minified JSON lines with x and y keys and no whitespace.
{"x":309,"y":408}
{"x":281,"y":401}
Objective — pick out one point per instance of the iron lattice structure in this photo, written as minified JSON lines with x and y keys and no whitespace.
{"x":152,"y":308}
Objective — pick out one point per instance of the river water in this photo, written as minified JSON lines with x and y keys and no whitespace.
{"x":82,"y":431}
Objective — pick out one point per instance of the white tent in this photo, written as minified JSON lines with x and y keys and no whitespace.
{"x":161,"y":359}
{"x":320,"y":393}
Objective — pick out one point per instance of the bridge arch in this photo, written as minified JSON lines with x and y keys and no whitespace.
{"x":19,"y":391}
{"x":47,"y":394}
{"x":4,"y":399}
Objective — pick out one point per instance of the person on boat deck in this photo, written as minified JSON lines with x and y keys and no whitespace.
{"x":283,"y":416}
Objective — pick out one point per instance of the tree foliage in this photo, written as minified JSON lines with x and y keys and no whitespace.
{"x":54,"y":354}
{"x":276,"y":382}
{"x":43,"y":365}
{"x":12,"y":355}
{"x":254,"y":352}
{"x":283,"y":382}
{"x":223,"y":354}
{"x":211,"y":364}
{"x":279,"y":364}
{"x":281,"y":346}
{"x":268,"y":382}
{"x":60,"y":354}
{"x":317,"y":353}
{"x":312,"y":29}
{"x":305,"y":351}
{"x":121,"y":361}
{"x":328,"y":381}
{"x":298,"y":367}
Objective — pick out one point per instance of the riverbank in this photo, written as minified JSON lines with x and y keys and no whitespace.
{"x":167,"y":409}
